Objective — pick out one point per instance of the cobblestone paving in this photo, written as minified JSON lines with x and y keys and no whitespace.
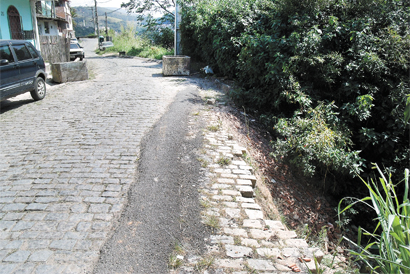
{"x":67,"y":162}
{"x":244,"y":239}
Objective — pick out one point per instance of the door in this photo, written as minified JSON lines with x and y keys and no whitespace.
{"x":27,"y":65}
{"x":9,"y":80}
{"x":14,"y":23}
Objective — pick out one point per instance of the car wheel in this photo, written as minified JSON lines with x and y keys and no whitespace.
{"x":81,"y":58}
{"x":39,"y":91}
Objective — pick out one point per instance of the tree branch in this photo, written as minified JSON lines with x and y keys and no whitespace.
{"x":164,"y":8}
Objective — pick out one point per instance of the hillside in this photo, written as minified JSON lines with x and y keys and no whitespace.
{"x":84,"y":24}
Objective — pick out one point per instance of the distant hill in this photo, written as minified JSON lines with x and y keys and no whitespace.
{"x":115,"y":19}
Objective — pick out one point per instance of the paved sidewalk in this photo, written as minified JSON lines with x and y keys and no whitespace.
{"x":244,"y":239}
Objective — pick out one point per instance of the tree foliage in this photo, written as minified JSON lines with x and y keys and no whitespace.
{"x":347,"y":60}
{"x":150,"y":6}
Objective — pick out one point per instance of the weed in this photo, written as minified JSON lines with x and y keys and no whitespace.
{"x":179,"y":249}
{"x":237,"y":240}
{"x":204,"y":163}
{"x":212,"y":221}
{"x":174,"y":262}
{"x":204,"y":263}
{"x":205,"y":203}
{"x":213,"y":128}
{"x":224,"y":161}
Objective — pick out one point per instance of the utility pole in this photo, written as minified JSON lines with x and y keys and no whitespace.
{"x":96,"y":21}
{"x":92,"y":14}
{"x":177,"y":34}
{"x":106,"y":25}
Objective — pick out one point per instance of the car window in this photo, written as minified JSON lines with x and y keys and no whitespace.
{"x":74,"y":46}
{"x":21,"y":52}
{"x":5,"y":53}
{"x":32,"y":50}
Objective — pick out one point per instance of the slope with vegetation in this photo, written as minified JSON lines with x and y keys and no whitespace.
{"x":328,"y":77}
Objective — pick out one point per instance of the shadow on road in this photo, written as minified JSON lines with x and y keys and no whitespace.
{"x":8,"y":105}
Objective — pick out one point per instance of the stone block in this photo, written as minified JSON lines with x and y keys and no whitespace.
{"x":260,"y":265}
{"x":243,"y":182}
{"x":259,"y":234}
{"x":69,"y":71}
{"x":296,"y":243}
{"x":249,"y":177}
{"x":254,"y":214}
{"x":233,"y":212}
{"x":251,"y":206}
{"x":252,"y":223}
{"x":176,"y":65}
{"x":250,"y":242}
{"x":268,"y":252}
{"x":234,"y":251}
{"x":236,"y":232}
{"x":286,"y":234}
{"x":233,"y":264}
{"x":276,"y":225}
{"x":246,"y":191}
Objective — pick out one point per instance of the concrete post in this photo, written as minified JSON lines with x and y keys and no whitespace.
{"x":177,"y":33}
{"x":35,"y":26}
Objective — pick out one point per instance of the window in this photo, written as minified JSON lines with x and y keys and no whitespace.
{"x":32,"y":50}
{"x":46,"y":27}
{"x":21,"y":52}
{"x":5,"y":53}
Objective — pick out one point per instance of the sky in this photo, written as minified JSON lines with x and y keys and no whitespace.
{"x":100,"y":3}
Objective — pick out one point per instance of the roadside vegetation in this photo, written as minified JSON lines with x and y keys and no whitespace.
{"x":149,"y":44}
{"x":330,"y":80}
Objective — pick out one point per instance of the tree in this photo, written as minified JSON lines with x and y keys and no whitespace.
{"x":73,"y":15}
{"x":150,"y":6}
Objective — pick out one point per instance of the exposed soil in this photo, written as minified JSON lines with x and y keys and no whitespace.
{"x":297,"y":198}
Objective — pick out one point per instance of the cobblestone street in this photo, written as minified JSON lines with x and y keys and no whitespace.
{"x":66,"y":163}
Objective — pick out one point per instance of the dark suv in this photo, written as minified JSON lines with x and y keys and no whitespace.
{"x":22,"y":69}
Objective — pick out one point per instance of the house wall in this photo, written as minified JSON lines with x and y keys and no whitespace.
{"x":23,"y":7}
{"x":52,"y":27}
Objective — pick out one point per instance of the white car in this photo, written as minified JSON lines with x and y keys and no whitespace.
{"x":76,"y":51}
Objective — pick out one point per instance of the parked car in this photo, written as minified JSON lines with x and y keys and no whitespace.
{"x":22,"y":69}
{"x":76,"y":51}
{"x":73,"y":40}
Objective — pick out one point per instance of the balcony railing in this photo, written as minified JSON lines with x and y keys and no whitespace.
{"x":45,"y":9}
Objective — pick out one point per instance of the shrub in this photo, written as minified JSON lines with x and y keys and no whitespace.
{"x":288,"y":56}
{"x":310,"y":142}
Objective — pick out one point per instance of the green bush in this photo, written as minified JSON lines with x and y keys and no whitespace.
{"x":135,"y":45}
{"x":311,"y":142}
{"x":388,"y":250}
{"x":289,"y":56}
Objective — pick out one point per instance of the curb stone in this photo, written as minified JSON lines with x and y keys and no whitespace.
{"x":245,"y":240}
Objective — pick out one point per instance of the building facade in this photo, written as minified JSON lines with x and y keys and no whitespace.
{"x":18,"y":21}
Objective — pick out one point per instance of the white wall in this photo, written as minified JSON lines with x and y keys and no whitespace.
{"x":52,"y":26}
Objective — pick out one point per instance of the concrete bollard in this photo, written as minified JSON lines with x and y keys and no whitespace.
{"x":176,"y":65}
{"x":69,"y":71}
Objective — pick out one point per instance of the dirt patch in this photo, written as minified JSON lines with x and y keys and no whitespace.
{"x":298,"y":202}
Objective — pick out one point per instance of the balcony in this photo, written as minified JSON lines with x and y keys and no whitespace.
{"x":45,"y":9}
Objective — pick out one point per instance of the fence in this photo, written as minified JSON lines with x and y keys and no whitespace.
{"x":55,"y":49}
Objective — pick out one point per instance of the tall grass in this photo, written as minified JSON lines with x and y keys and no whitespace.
{"x":389,"y":251}
{"x":135,"y":45}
